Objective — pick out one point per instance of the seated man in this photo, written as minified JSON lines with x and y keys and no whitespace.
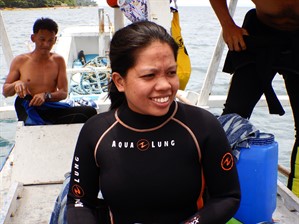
{"x":39,"y":79}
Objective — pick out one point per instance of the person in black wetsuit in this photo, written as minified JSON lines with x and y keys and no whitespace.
{"x":40,"y":81}
{"x":266,"y":44}
{"x":153,"y":159}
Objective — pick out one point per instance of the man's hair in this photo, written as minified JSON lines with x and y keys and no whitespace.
{"x":45,"y":24}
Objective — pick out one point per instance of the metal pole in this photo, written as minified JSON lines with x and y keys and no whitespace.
{"x":214,"y":64}
{"x":6,"y":47}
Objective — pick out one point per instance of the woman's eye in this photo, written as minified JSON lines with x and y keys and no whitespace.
{"x":172,"y":73}
{"x":148,"y":75}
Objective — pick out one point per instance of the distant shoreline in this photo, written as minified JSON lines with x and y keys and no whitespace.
{"x":45,"y":8}
{"x":76,"y":7}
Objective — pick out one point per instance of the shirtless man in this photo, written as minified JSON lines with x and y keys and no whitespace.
{"x":41,"y":74}
{"x":266,"y":44}
{"x":280,"y":15}
{"x":39,"y":71}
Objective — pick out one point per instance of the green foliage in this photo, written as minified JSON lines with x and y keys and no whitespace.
{"x":2,"y":4}
{"x":85,"y":2}
{"x":43,"y":3}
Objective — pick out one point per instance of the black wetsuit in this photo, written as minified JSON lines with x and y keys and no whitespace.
{"x":269,"y":51}
{"x":149,"y":169}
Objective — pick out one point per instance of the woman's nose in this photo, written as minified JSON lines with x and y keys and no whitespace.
{"x":163,"y":83}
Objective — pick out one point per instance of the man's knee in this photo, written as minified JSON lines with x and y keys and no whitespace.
{"x":78,"y":114}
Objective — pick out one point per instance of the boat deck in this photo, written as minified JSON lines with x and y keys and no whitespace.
{"x":34,"y":204}
{"x":287,"y":210}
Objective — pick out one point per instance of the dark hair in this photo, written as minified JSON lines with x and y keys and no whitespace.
{"x":45,"y":24}
{"x":123,"y":50}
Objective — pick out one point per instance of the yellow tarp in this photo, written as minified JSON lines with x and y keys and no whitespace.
{"x":183,"y":60}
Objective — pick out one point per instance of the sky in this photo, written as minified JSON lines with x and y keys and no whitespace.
{"x":194,"y":2}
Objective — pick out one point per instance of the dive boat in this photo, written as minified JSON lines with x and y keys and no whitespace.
{"x":33,"y":174}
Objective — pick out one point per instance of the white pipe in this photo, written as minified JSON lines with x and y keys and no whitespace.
{"x":101,"y":32}
{"x":214,"y":63}
{"x":118,"y":19}
{"x":6,"y":47}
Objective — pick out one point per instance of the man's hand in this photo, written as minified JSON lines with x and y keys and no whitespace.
{"x":37,"y":100}
{"x":233,"y":37}
{"x":21,"y":89}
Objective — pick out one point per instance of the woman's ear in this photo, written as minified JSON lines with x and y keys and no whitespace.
{"x":118,"y":81}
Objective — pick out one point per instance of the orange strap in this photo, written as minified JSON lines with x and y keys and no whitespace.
{"x":200,"y":202}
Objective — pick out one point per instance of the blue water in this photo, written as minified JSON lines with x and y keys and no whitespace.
{"x":200,"y":30}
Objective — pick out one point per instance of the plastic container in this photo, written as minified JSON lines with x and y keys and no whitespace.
{"x":257,"y":169}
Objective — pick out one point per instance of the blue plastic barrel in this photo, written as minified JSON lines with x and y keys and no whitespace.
{"x":257,"y":169}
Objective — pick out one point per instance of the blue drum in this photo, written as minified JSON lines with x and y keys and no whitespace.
{"x":257,"y":169}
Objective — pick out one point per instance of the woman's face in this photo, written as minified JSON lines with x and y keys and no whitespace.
{"x":151,"y":85}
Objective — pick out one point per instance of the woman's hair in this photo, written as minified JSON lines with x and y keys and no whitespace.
{"x":124,"y":47}
{"x":45,"y":24}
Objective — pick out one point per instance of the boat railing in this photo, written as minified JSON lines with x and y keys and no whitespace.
{"x":214,"y":63}
{"x":88,"y":80}
{"x":72,"y":71}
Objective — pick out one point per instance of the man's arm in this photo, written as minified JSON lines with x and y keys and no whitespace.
{"x":232,"y":34}
{"x":62,"y":82}
{"x":13,"y":84}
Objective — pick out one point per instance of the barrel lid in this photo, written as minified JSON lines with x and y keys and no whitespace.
{"x":262,"y":139}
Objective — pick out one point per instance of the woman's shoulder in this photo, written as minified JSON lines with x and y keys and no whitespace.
{"x":194,"y":110}
{"x":196,"y":116}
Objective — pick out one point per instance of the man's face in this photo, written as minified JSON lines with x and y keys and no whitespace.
{"x":44,"y":40}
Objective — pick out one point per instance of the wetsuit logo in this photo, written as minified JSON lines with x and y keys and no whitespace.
{"x":77,"y":191}
{"x":194,"y":220}
{"x":143,"y":145}
{"x":227,"y":161}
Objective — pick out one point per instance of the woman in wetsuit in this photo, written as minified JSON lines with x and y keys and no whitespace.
{"x":151,"y":158}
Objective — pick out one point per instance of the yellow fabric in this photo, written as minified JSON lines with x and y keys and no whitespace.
{"x":295,"y":187}
{"x":295,"y":184}
{"x":183,"y":60}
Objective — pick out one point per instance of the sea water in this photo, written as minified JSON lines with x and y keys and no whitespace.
{"x":200,"y":30}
